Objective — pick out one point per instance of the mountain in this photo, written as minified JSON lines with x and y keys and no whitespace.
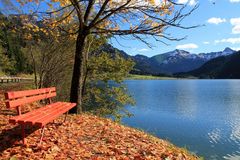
{"x":144,"y":65}
{"x":183,"y":61}
{"x":167,"y":63}
{"x":177,"y":61}
{"x":108,"y":48}
{"x":222,"y":67}
{"x":209,"y":56}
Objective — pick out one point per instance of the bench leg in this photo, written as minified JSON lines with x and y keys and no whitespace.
{"x":42,"y":133}
{"x":66,"y":114}
{"x":23,"y":133}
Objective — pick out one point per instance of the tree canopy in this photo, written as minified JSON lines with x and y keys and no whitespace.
{"x":107,"y":17}
{"x":80,"y":19}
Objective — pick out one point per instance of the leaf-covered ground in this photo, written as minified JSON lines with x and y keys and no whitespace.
{"x":84,"y":137}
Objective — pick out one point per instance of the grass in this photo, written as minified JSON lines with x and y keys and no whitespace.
{"x":23,"y":85}
{"x":147,"y":77}
{"x":16,"y":86}
{"x":2,"y":74}
{"x":25,"y":75}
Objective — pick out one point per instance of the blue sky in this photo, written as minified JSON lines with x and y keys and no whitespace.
{"x":222,"y":29}
{"x":221,"y":20}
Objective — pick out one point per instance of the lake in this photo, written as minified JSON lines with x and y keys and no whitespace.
{"x":200,"y":115}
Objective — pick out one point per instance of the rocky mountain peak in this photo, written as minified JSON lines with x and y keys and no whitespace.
{"x":228,"y":50}
{"x":178,"y":52}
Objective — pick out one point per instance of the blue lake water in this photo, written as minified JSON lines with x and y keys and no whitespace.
{"x":201,"y":115}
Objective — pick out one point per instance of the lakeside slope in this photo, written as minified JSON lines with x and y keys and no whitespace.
{"x":84,"y":137}
{"x":147,"y":77}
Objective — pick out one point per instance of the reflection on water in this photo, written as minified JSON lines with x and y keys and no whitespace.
{"x":202,"y":115}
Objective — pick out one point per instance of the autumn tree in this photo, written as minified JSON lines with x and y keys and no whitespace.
{"x":50,"y":59}
{"x":11,"y":43}
{"x":5,"y":65}
{"x":105,"y":93}
{"x":83,"y":18}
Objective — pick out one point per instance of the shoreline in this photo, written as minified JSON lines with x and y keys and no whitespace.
{"x":84,"y":136}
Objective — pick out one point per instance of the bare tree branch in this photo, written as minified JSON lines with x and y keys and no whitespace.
{"x":99,"y":13}
{"x":89,"y":7}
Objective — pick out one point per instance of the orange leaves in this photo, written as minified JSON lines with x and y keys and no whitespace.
{"x":86,"y":137}
{"x":51,"y":21}
{"x":94,"y":138}
{"x":152,"y":2}
{"x":24,"y":2}
{"x":50,"y":5}
{"x":62,"y":3}
{"x":118,"y":17}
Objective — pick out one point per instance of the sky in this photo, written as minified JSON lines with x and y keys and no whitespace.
{"x":219,"y":28}
{"x":219,"y":22}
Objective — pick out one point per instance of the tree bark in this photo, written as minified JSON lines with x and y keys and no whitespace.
{"x":78,"y":74}
{"x":86,"y":53}
{"x":34,"y":68}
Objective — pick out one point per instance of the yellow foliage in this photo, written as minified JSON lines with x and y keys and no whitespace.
{"x":68,"y":20}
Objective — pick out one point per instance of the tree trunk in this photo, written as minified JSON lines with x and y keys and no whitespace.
{"x":86,"y":69}
{"x":34,"y":68}
{"x":78,"y":74}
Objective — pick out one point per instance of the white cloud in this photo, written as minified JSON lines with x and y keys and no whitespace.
{"x":141,"y":2}
{"x":234,"y":1}
{"x":187,"y":46}
{"x":143,"y":50}
{"x":215,"y":20}
{"x":189,"y":2}
{"x":228,"y":40}
{"x":235,"y":21}
{"x":236,"y":29}
{"x":206,"y":42}
{"x":158,"y":2}
{"x":236,"y":25}
{"x":236,"y":49}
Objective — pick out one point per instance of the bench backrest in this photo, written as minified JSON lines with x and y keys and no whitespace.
{"x":17,"y":98}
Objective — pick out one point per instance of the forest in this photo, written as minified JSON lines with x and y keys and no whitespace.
{"x":50,"y":60}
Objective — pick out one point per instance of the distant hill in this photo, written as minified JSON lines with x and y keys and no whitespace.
{"x":167,"y":63}
{"x":223,"y":67}
{"x":177,"y":61}
{"x":143,"y":64}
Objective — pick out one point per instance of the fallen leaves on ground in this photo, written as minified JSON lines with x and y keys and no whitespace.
{"x":84,"y":137}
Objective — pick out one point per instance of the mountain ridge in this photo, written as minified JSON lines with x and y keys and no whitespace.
{"x":217,"y":68}
{"x":167,"y":63}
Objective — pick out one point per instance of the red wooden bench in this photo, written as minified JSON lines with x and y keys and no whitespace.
{"x":38,"y":117}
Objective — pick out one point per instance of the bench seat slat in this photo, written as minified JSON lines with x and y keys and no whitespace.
{"x":29,"y":114}
{"x":42,"y":115}
{"x":51,"y":117}
{"x":60,"y":110}
{"x":56,"y":113}
{"x":36,"y":115}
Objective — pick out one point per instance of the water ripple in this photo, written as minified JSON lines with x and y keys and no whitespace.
{"x":215,"y":136}
{"x":203,"y":115}
{"x":234,"y":156}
